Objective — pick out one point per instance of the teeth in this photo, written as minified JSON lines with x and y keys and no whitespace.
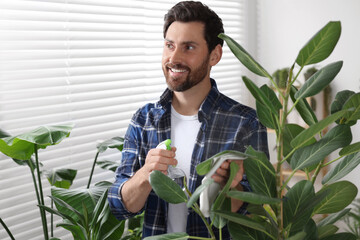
{"x":177,"y":70}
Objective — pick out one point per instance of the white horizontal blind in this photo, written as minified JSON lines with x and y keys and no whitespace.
{"x":89,"y":62}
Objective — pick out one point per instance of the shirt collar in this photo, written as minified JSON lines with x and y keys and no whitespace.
{"x":206,"y":107}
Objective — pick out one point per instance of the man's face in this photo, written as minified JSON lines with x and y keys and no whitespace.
{"x":185,"y":60}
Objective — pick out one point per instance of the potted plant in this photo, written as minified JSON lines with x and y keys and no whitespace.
{"x":277,"y":209}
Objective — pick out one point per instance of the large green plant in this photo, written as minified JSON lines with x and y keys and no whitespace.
{"x":280,"y":210}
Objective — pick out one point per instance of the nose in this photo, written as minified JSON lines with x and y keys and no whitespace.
{"x":176,"y":56}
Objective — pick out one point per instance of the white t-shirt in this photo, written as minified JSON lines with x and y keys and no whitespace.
{"x":184,"y":130}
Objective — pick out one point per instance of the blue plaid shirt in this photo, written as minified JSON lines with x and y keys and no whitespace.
{"x":225,"y":125}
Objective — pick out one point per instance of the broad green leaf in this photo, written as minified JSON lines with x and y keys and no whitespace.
{"x":320,"y":45}
{"x":75,"y":197}
{"x":327,"y":230}
{"x":169,"y":236}
{"x":289,"y":133}
{"x":115,"y":142}
{"x":270,"y":94}
{"x":265,"y":116}
{"x":108,"y":165}
{"x":218,"y":221}
{"x":195,"y":196}
{"x":166,"y":188}
{"x":341,"y":195}
{"x":209,"y":166}
{"x":340,"y":99}
{"x":242,"y":220}
{"x":309,"y":133}
{"x":259,"y":95}
{"x":116,"y":232}
{"x":79,"y":215}
{"x":344,"y":167}
{"x":78,"y":232}
{"x":311,"y":230}
{"x":251,"y":197}
{"x":333,"y":218}
{"x":260,"y":173}
{"x":307,"y":156}
{"x":98,"y":208}
{"x":342,"y":236}
{"x":319,"y":80}
{"x":244,"y":57}
{"x":22,"y":146}
{"x":303,"y":108}
{"x":218,"y":203}
{"x":70,"y":219}
{"x":297,"y":236}
{"x":295,"y":201}
{"x":238,"y":231}
{"x":350,"y":149}
{"x":352,"y":103}
{"x":61,"y":178}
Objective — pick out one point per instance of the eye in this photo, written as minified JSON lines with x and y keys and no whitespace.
{"x":169,"y":45}
{"x":189,"y":47}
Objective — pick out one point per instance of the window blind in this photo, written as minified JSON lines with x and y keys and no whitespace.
{"x":92,"y":63}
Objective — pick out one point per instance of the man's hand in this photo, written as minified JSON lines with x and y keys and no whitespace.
{"x":159,"y":159}
{"x":136,"y":190}
{"x":221,"y":176}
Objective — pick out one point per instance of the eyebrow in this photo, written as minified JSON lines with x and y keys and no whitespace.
{"x":183,"y":43}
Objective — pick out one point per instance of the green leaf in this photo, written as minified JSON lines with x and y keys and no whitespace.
{"x":22,"y":146}
{"x":217,"y":205}
{"x":297,"y":236}
{"x":320,"y":45}
{"x":260,"y":173}
{"x":78,"y":232}
{"x":307,"y":156}
{"x":61,"y":178}
{"x":352,"y":103}
{"x":344,"y":167}
{"x":342,"y":236}
{"x":209,"y":166}
{"x":295,"y":201}
{"x":311,"y":230}
{"x":341,"y":195}
{"x":309,"y":133}
{"x":319,"y":80}
{"x":195,"y":196}
{"x":251,"y":197}
{"x":266,"y":117}
{"x":238,"y":231}
{"x":244,"y":57}
{"x":218,"y":221}
{"x":108,"y":165}
{"x":350,"y":149}
{"x":166,"y":188}
{"x":333,"y":218}
{"x":75,"y":197}
{"x":169,"y":236}
{"x":289,"y":133}
{"x":260,"y":96}
{"x":303,"y":108}
{"x":327,"y":230}
{"x":340,"y":99}
{"x":115,"y":142}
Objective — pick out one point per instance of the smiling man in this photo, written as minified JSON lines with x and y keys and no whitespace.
{"x":198,"y":119}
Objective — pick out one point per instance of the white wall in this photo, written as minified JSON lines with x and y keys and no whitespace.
{"x":286,"y":25}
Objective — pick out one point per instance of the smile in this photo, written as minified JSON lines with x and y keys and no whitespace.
{"x":177,"y":70}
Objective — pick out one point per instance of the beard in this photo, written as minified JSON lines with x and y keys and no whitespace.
{"x":193,"y":77}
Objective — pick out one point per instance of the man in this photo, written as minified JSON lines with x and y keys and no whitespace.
{"x":198,"y":119}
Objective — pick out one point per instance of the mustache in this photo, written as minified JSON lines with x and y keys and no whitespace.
{"x":176,"y":66}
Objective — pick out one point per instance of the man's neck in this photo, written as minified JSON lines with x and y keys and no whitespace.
{"x":189,"y":101}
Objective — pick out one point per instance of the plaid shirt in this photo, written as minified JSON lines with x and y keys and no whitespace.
{"x":225,"y":125}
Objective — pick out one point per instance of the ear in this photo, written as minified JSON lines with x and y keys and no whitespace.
{"x":215,"y":55}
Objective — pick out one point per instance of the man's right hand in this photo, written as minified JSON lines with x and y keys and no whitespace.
{"x":136,"y":190}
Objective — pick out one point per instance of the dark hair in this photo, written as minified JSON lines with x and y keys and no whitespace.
{"x":190,"y":11}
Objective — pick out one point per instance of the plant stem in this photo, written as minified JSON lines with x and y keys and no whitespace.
{"x":7,"y":229}
{"x":42,"y":211}
{"x":92,"y":169}
{"x":317,"y":171}
{"x":330,"y":162}
{"x":196,"y":208}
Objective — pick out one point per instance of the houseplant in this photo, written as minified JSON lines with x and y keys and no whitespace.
{"x":280,"y":210}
